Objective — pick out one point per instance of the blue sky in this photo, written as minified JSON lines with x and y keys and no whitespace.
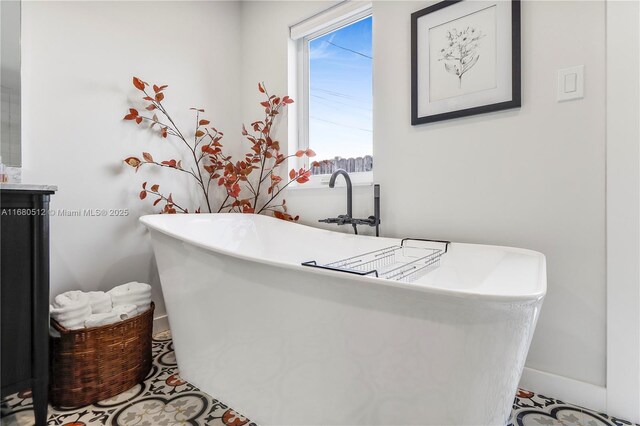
{"x":340,"y":95}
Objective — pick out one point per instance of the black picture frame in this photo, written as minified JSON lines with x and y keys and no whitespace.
{"x":516,"y":96}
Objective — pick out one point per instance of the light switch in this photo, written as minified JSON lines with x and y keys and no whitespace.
{"x":571,"y":83}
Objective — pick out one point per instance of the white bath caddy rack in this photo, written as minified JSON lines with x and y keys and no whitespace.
{"x":399,"y":262}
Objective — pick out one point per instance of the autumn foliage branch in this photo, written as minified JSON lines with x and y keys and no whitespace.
{"x":251,"y":185}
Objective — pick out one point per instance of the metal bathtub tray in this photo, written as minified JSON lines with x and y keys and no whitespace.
{"x":401,"y":262}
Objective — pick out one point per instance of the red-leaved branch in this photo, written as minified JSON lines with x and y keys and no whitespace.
{"x":250,"y":185}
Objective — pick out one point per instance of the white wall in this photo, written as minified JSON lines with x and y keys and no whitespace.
{"x":623,"y":209}
{"x":78,"y":60}
{"x":532,"y":177}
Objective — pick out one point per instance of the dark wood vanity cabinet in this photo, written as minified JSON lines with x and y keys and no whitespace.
{"x":24,"y":292}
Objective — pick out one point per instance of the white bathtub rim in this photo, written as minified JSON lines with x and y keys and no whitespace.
{"x":533,"y":297}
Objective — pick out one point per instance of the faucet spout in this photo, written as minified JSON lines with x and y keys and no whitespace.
{"x":332,"y":184}
{"x":348,"y":219}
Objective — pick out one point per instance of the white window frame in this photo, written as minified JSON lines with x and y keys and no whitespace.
{"x":336,"y":17}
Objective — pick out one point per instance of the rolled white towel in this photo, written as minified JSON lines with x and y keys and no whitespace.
{"x":131,"y":300}
{"x":100,"y":302}
{"x":68,"y":320}
{"x":70,"y":299}
{"x":97,"y":320}
{"x":132,"y":289}
{"x":71,"y":309}
{"x":133,"y":293}
{"x":125,"y":311}
{"x":140,"y":304}
{"x":141,"y":308}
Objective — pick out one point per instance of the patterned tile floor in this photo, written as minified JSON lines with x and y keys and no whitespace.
{"x":165,"y":400}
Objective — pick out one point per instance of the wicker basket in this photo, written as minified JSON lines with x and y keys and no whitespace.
{"x":92,"y":364}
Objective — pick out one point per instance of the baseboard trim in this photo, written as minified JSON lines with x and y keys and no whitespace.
{"x":568,"y":390}
{"x":160,"y":323}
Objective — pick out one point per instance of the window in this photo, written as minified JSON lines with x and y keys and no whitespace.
{"x":335,"y":80}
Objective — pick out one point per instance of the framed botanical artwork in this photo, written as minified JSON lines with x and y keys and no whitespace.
{"x":465,"y":59}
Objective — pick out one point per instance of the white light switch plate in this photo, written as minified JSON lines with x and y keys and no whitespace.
{"x":571,"y":83}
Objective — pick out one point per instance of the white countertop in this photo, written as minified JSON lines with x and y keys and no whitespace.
{"x":27,"y":187}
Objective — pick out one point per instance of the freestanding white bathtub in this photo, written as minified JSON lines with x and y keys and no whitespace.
{"x":289,"y":345}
